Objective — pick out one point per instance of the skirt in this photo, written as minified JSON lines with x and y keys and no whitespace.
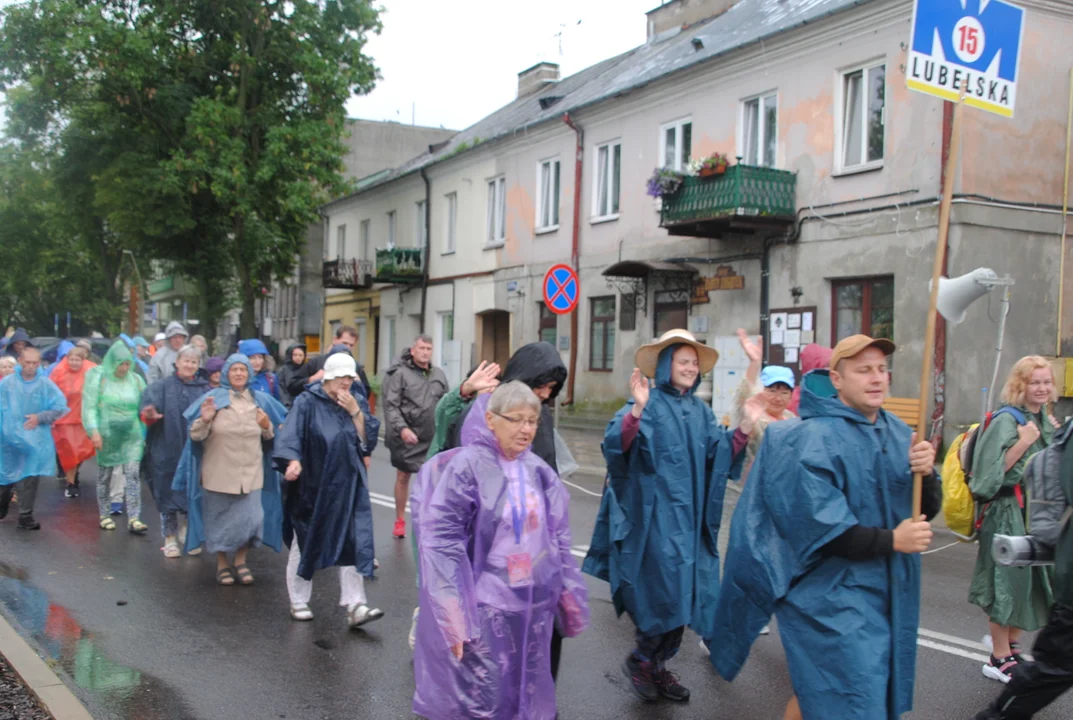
{"x":73,"y":446}
{"x":232,"y":521}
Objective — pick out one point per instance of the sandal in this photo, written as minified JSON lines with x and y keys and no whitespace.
{"x":171,"y":549}
{"x":244,"y":575}
{"x":225,"y":576}
{"x":137,"y":527}
{"x":107,"y":523}
{"x":301,"y":612}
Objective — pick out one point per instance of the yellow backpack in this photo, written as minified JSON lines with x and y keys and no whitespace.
{"x":959,"y":507}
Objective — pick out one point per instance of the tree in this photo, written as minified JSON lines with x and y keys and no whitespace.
{"x":219,"y":126}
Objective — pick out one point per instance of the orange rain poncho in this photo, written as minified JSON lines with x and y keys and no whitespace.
{"x":73,"y":445}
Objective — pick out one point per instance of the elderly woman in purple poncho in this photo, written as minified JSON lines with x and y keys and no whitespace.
{"x":497,"y":574}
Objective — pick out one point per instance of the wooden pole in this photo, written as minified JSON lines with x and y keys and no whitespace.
{"x":936,"y":273}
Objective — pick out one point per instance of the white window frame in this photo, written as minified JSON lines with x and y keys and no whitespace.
{"x":761,"y":100}
{"x":680,"y":164}
{"x":421,"y":218}
{"x":543,"y":199}
{"x":495,"y":227}
{"x":840,"y":168}
{"x":364,"y":238}
{"x":340,"y":242}
{"x":392,"y":228}
{"x":450,"y":217}
{"x":605,"y":178}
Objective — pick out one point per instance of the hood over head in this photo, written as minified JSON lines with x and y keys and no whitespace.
{"x":139,"y":341}
{"x":820,"y":399}
{"x":116,"y":356}
{"x":127,"y":340}
{"x":475,"y":430}
{"x":214,"y":364}
{"x":663,"y":371}
{"x":231,"y":360}
{"x":814,"y":357}
{"x":287,"y":358}
{"x":175,"y":328}
{"x":252,"y":347}
{"x":64,"y":349}
{"x":19,"y":335}
{"x":537,"y":364}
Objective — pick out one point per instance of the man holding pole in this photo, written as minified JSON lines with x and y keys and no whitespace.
{"x":823,"y":537}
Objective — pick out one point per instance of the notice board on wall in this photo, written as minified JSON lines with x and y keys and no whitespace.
{"x":789,"y":330}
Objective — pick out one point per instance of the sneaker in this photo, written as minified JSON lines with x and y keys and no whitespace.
{"x":412,"y":639}
{"x":117,"y":508}
{"x":704,"y":646}
{"x":766,"y":630}
{"x":400,"y":528}
{"x":301,"y":612}
{"x":358,"y":615}
{"x":1000,"y":669}
{"x":669,"y":687}
{"x":70,"y":492}
{"x":27,"y":522}
{"x":77,"y":488}
{"x":640,"y":677}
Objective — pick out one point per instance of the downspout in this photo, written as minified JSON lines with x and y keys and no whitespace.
{"x":765,"y":284}
{"x":1065,"y":223}
{"x":427,"y":250}
{"x":579,"y":159}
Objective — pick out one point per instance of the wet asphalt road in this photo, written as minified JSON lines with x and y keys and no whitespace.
{"x":139,"y":637}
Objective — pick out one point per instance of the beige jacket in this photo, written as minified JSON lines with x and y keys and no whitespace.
{"x":745,"y":391}
{"x":232,"y":459}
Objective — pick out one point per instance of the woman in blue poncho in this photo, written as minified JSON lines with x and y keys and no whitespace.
{"x":262,"y":379}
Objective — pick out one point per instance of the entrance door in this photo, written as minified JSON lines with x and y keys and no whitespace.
{"x":495,"y":337}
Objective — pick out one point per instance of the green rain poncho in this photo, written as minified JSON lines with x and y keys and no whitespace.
{"x":1019,"y":597}
{"x":110,"y":407}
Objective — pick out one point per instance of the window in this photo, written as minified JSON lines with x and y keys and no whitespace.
{"x":364,"y":232}
{"x":627,"y":314}
{"x":391,"y":226}
{"x":863,"y":116}
{"x":863,"y":306}
{"x":760,"y":128}
{"x":421,"y":215}
{"x":549,"y":325}
{"x":497,"y":211}
{"x":676,"y":145}
{"x":548,"y":197}
{"x":340,"y":242}
{"x":451,"y":218}
{"x":608,"y":174}
{"x":602,"y":333}
{"x":672,"y":310}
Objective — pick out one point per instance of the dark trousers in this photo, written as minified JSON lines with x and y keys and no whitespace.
{"x":27,"y":491}
{"x":1037,"y":684}
{"x":658,"y":648}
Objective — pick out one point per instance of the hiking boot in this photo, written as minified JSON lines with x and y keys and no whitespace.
{"x":669,"y":687}
{"x":5,"y":501}
{"x":1000,"y":669}
{"x":27,"y":522}
{"x":640,"y":676}
{"x":400,"y":528}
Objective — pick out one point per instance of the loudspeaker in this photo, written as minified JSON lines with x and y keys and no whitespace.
{"x":956,"y":294}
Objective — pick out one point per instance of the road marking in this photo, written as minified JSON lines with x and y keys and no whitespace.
{"x":584,"y":490}
{"x":952,"y":650}
{"x":385,"y":500}
{"x":954,"y":640}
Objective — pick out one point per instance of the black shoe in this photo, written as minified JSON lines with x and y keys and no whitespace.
{"x":27,"y":522}
{"x":640,"y":676}
{"x":5,"y":501}
{"x":70,"y":491}
{"x":669,"y":687}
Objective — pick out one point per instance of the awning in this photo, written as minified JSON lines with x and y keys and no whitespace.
{"x":633,"y":277}
{"x":644,"y":268}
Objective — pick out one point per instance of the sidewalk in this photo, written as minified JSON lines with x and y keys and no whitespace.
{"x":55,"y":698}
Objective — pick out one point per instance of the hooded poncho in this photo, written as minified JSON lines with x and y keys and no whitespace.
{"x":28,"y":453}
{"x":287,"y":375}
{"x":410,"y":396}
{"x":110,"y":407}
{"x":264,"y":381}
{"x":167,"y":436}
{"x":73,"y":445}
{"x":163,"y":362}
{"x":474,"y":534}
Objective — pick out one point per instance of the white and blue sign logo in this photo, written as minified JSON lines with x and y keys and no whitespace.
{"x":973,"y":45}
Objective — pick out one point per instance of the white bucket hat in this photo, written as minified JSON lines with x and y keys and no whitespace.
{"x":647,"y":356}
{"x":340,"y":365}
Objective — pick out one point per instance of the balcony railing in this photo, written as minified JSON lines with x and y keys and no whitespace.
{"x":347,"y":274}
{"x":744,"y":196}
{"x":399,"y":265}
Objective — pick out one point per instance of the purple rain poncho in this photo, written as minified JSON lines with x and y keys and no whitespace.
{"x":466,"y":535}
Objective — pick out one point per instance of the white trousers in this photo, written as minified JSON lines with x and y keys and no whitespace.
{"x":300,"y":590}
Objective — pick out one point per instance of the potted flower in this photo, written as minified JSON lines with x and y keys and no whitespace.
{"x":664,"y":182}
{"x":714,"y":164}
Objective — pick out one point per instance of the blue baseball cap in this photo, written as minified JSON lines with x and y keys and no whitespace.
{"x":140,"y":341}
{"x":773,"y":374}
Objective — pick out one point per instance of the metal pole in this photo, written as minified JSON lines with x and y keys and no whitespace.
{"x":998,"y":347}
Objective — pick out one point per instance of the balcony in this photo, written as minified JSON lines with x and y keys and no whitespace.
{"x":399,"y":265}
{"x":347,"y":274}
{"x":746,"y":199}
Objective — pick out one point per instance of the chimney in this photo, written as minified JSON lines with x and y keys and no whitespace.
{"x":537,"y":78}
{"x":674,"y":14}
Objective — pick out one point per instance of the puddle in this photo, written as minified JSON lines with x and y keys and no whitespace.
{"x":120,"y":691}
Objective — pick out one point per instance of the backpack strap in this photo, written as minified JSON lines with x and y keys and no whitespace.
{"x":1010,"y":410}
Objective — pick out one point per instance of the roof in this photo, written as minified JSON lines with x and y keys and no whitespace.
{"x":747,"y":22}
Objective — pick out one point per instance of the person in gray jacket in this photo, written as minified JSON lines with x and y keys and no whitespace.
{"x":163,"y":363}
{"x":411,"y":390}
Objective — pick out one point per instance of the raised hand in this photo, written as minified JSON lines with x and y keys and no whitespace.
{"x":484,"y":378}
{"x":348,"y":402}
{"x":639,"y":391}
{"x":754,"y":349}
{"x":208,"y":410}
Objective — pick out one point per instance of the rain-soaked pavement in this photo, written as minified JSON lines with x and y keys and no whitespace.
{"x":139,"y":637}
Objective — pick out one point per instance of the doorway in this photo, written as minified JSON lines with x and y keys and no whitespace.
{"x":493,"y":345}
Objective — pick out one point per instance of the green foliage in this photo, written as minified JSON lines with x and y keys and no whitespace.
{"x":201,"y":133}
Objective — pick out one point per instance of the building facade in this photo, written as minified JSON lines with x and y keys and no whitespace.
{"x":824,"y":225}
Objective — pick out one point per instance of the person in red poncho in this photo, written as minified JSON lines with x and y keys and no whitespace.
{"x":73,"y":446}
{"x":813,"y":357}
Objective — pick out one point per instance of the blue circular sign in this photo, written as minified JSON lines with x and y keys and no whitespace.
{"x":561,"y":289}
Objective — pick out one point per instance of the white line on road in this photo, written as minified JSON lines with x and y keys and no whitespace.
{"x":952,"y":650}
{"x":954,"y":640}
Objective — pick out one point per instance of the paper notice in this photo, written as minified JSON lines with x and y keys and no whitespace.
{"x":776,"y":337}
{"x":806,"y":321}
{"x":793,"y":321}
{"x":789,"y":355}
{"x":792,"y":339}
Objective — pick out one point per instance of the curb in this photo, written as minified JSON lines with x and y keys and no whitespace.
{"x":55,"y":697}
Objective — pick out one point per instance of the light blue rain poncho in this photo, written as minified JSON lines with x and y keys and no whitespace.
{"x":656,"y":535}
{"x":188,"y":474}
{"x":28,"y":453}
{"x":849,"y":627}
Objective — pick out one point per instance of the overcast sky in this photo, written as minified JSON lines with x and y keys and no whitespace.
{"x":451,"y":63}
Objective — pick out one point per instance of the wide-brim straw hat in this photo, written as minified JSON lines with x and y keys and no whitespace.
{"x":647,"y":356}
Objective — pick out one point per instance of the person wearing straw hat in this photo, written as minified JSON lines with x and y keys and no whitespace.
{"x":823,"y":539}
{"x":656,"y":536}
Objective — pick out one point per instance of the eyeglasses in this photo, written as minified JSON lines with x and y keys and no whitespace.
{"x":519,"y":422}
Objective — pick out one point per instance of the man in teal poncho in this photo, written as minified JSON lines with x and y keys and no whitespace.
{"x":822,"y":537}
{"x":29,"y":404}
